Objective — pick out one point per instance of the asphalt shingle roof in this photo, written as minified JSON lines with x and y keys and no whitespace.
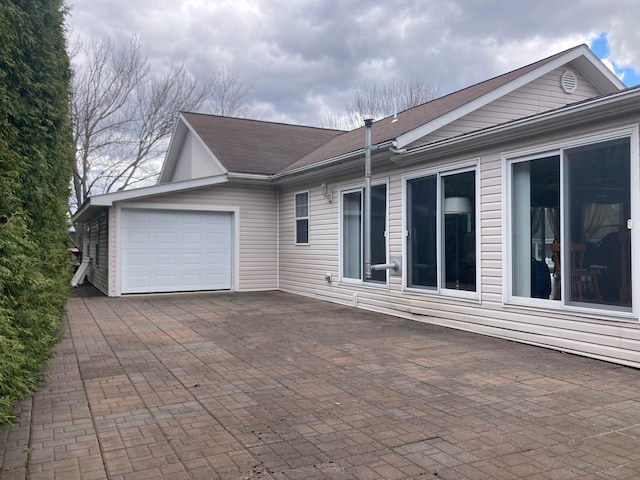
{"x":252,"y":146}
{"x":408,"y":120}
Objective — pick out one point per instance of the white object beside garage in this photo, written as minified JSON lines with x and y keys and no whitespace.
{"x":175,"y":250}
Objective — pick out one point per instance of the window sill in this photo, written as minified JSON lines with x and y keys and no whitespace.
{"x":554,"y":307}
{"x":359,"y":283}
{"x":445,"y":293}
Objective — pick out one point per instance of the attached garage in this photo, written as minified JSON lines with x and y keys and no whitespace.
{"x":175,"y":250}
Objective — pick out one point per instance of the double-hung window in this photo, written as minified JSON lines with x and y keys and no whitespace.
{"x":569,"y":240}
{"x":302,"y":218}
{"x":352,"y":226}
{"x":441,"y":237}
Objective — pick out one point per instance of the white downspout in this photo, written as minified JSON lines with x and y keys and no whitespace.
{"x":278,"y":237}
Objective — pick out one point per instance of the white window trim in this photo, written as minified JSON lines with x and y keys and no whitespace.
{"x":557,"y":148}
{"x":343,"y":278}
{"x":360,"y":188}
{"x":296,"y":218}
{"x":440,"y":172}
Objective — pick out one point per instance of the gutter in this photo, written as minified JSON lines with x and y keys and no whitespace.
{"x":249,"y":177}
{"x":108,"y":199}
{"x":516,"y":125}
{"x":329,"y":161}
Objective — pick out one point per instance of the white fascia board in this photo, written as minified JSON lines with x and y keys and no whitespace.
{"x":108,"y":199}
{"x":177,"y":138}
{"x":413,"y":135}
{"x":331,"y":161}
{"x":609,"y":103}
{"x":604,"y":70}
{"x":206,"y":147}
{"x":176,"y":143}
{"x":248,"y":177}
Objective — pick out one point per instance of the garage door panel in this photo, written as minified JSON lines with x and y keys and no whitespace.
{"x":138,"y":259}
{"x":170,"y":251}
{"x":166,"y":237}
{"x":137,"y":238}
{"x":191,"y":239}
{"x":162,"y":260}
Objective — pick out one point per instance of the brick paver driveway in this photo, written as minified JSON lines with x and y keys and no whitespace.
{"x":271,"y":385}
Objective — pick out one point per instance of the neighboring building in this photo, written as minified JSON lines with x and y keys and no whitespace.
{"x":477,"y":196}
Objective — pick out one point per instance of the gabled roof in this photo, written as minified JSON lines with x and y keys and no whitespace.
{"x":252,"y":146}
{"x":419,"y":121}
{"x":243,"y":146}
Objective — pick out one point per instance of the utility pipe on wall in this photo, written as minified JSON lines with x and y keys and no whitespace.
{"x":368,"y":122}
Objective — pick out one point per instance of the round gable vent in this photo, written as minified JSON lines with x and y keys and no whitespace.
{"x":569,"y":82}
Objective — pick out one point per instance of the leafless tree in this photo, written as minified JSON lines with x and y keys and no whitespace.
{"x":104,"y":78}
{"x":123,"y":114}
{"x":345,"y":121}
{"x":228,"y":95}
{"x":381,"y":100}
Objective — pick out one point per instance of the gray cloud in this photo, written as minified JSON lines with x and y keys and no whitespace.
{"x":306,"y":56}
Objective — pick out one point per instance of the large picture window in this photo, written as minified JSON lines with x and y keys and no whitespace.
{"x":441,"y":231}
{"x":352,"y":233}
{"x":570,"y":238}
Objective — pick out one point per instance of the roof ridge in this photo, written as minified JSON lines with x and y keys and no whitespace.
{"x":262,"y":121}
{"x":442,"y":105}
{"x":510,"y":72}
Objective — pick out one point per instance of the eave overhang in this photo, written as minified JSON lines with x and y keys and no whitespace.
{"x":592,"y":111}
{"x":93,"y":205}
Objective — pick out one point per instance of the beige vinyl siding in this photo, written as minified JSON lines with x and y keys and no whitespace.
{"x":96,"y":243}
{"x":257,"y":228}
{"x":302,"y":271}
{"x":542,"y":94}
{"x":195,"y":161}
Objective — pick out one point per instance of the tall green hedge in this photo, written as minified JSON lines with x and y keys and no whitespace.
{"x":36,"y":155}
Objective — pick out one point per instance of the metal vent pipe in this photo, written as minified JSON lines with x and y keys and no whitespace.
{"x":368,"y":122}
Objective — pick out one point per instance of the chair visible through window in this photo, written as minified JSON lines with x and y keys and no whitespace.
{"x":584,"y":279}
{"x":555,"y":257}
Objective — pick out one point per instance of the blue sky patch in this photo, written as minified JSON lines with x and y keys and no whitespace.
{"x":600,"y":46}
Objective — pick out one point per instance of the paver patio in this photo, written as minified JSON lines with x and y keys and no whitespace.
{"x":271,"y":385}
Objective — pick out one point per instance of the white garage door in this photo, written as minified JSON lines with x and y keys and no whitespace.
{"x":175,"y":251}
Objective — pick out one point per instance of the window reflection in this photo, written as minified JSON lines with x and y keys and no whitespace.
{"x":597,"y":243}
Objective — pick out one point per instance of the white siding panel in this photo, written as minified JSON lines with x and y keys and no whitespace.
{"x":194,"y":161}
{"x":257,"y":242}
{"x":542,"y":94}
{"x":302,"y":271}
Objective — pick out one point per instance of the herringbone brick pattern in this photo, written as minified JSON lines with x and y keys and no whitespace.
{"x":275,"y":386}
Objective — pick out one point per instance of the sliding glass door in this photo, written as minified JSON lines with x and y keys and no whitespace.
{"x":352,"y":233}
{"x":570,"y":226}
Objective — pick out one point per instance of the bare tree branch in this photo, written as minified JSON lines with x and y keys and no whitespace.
{"x":123,"y":114}
{"x":380,"y":100}
{"x":228,"y":95}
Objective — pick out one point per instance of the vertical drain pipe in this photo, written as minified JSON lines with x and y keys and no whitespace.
{"x":368,"y":122}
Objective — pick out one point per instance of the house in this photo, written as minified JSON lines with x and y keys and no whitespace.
{"x":505,"y":209}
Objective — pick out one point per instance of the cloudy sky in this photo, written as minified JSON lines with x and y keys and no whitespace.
{"x":304,"y":57}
